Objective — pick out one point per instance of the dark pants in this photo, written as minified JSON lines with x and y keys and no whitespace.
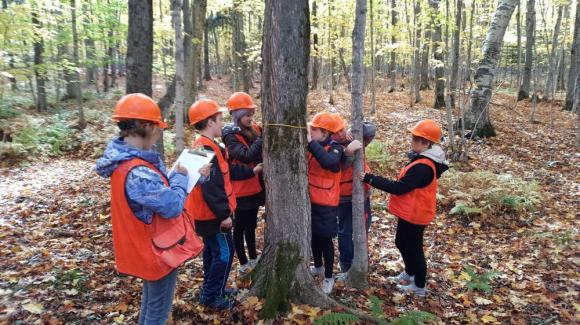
{"x":218,"y":254}
{"x":345,"y":243}
{"x":245,"y":226}
{"x":323,"y":248}
{"x":409,"y":241}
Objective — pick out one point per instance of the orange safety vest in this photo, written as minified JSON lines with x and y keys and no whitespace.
{"x":250,"y":186}
{"x":148,"y":251}
{"x":346,"y":180}
{"x":195,"y":202}
{"x":324,"y":185}
{"x":418,"y":206}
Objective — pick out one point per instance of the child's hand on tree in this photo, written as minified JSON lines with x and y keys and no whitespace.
{"x":205,"y":170}
{"x":352,"y":147}
{"x":259,"y":168}
{"x":361,"y":176}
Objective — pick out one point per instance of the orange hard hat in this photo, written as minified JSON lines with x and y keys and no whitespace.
{"x":428,"y":129}
{"x":326,"y":121}
{"x":202,"y":109}
{"x":341,"y":122}
{"x":240,"y":100}
{"x":138,"y":107}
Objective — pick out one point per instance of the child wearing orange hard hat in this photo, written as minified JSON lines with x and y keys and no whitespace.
{"x":413,"y":201}
{"x":147,"y":207}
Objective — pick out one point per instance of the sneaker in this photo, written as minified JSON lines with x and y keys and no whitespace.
{"x":220,"y":303}
{"x":316,"y":271}
{"x":327,"y":285}
{"x":253,"y":262}
{"x":244,"y":269}
{"x":412,"y":288}
{"x":403,"y":276}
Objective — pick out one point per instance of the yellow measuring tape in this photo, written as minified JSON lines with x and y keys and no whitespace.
{"x":285,"y":125}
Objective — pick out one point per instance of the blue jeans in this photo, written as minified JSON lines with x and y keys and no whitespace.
{"x":218,"y":254}
{"x":345,"y":243}
{"x":157,"y":300}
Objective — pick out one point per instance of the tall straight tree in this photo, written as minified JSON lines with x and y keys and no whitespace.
{"x":77,"y":77}
{"x":139,"y":58}
{"x":530,"y":36}
{"x":39,"y":69}
{"x":241,"y":69}
{"x":316,"y":56}
{"x":478,"y":117}
{"x":282,"y":272}
{"x":199,"y":9}
{"x":551,"y":80}
{"x":188,"y":56}
{"x":456,"y":46}
{"x":358,"y":273}
{"x":415,"y":80}
{"x":438,"y":56}
{"x":571,"y":92}
{"x":373,"y":64}
{"x":176,"y":9}
{"x":393,"y":62}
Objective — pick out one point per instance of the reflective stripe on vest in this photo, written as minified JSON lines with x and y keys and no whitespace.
{"x":195,"y":202}
{"x":418,"y":206}
{"x":250,"y":186}
{"x":346,"y":180}
{"x":148,"y":251}
{"x":324,"y":185}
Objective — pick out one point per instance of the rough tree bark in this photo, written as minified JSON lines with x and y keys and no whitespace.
{"x":139,"y":60}
{"x":393,"y":61}
{"x":524,"y":92}
{"x":358,"y":273}
{"x":282,"y":273}
{"x":316,"y":55}
{"x":242,"y":71}
{"x":477,"y":118}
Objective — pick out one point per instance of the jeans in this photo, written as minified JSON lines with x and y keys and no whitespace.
{"x":409,"y":241}
{"x":345,"y":243}
{"x":157,"y":300}
{"x":218,"y":254}
{"x":245,"y":227}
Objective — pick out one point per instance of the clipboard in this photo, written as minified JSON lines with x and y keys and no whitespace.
{"x":193,"y":160}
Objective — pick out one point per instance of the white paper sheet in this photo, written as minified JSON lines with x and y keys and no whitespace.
{"x":192,"y":160}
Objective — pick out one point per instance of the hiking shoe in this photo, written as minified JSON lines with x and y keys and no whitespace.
{"x":403,"y":276}
{"x":412,"y":288}
{"x":316,"y":271}
{"x":327,"y":285}
{"x":220,"y":303}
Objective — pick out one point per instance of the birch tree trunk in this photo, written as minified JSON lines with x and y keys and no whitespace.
{"x":478,"y":118}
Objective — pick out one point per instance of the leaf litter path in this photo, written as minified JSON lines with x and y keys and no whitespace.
{"x":56,"y":264}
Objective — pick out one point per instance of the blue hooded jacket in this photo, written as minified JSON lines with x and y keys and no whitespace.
{"x":145,"y":190}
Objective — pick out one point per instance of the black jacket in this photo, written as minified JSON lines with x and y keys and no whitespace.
{"x":418,"y":176}
{"x":214,"y":194}
{"x":252,"y":154}
{"x":324,"y":218}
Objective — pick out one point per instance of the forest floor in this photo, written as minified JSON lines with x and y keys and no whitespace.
{"x":57,"y":265}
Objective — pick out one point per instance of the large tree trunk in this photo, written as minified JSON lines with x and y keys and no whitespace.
{"x":199,"y":9}
{"x":393,"y":61}
{"x":551,"y":80}
{"x":478,"y":116}
{"x":530,"y":36}
{"x":176,"y":9}
{"x":358,"y":273}
{"x":282,"y":273}
{"x":39,"y":71}
{"x":574,"y":63}
{"x":438,"y":56}
{"x":242,"y":71}
{"x":139,"y":59}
